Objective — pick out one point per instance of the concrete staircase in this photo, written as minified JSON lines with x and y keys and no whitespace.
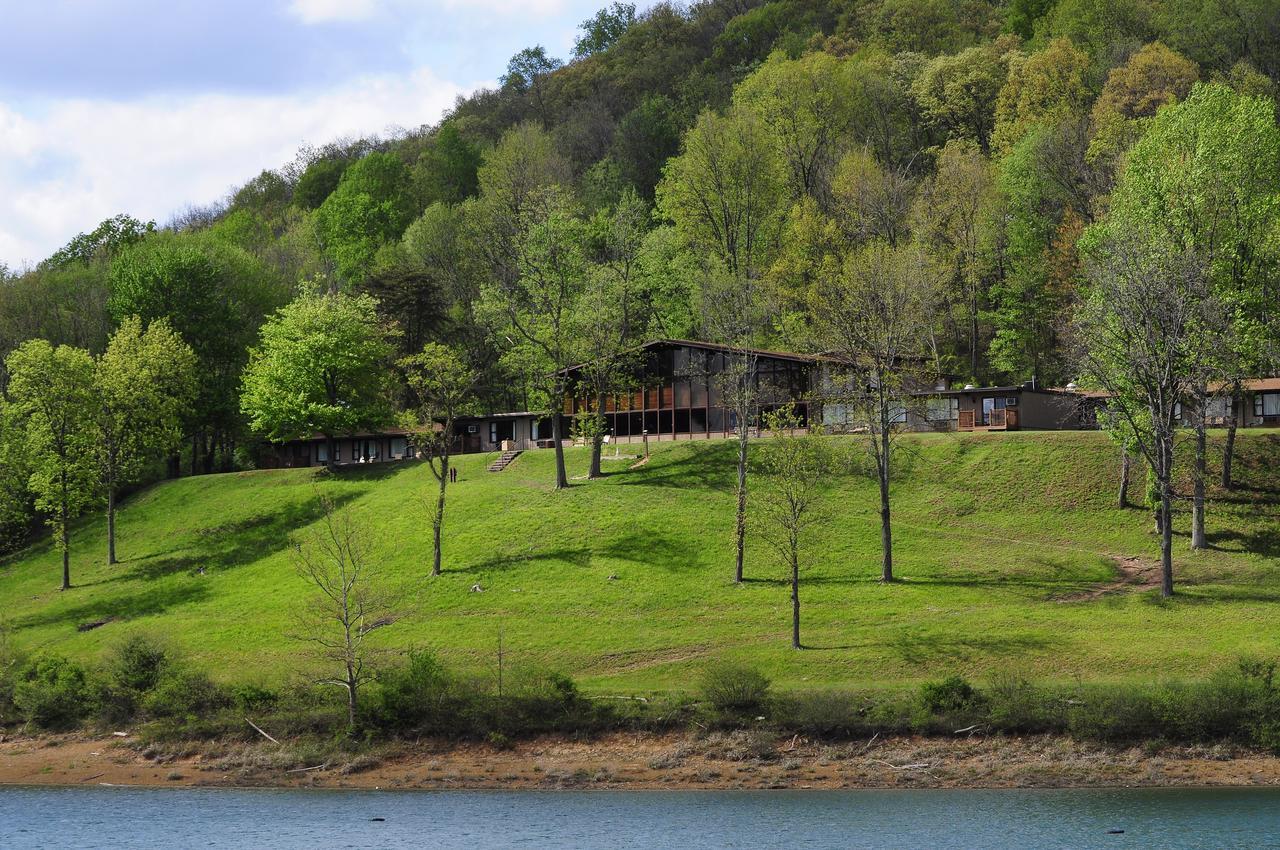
{"x":503,"y":461}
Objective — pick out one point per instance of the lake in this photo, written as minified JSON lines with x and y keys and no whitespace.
{"x":117,"y":817}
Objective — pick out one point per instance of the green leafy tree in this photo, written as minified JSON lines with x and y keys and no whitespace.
{"x":318,"y":181}
{"x":1042,"y":88}
{"x":603,"y":29}
{"x":955,"y":215}
{"x":802,"y":102}
{"x":1153,"y":77}
{"x":144,"y":383}
{"x":1206,"y":178}
{"x":15,"y":474}
{"x":448,"y":170}
{"x":52,"y":391}
{"x":371,"y":206}
{"x":442,"y":385}
{"x":725,"y":192}
{"x":321,"y":367}
{"x":611,"y":316}
{"x":958,"y":92}
{"x":103,"y":242}
{"x":536,"y":309}
{"x":215,"y":296}
{"x":1021,"y":16}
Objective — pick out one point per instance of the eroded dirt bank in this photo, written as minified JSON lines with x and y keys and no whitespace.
{"x":735,"y":760}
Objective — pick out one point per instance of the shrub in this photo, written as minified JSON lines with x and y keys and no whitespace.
{"x":951,"y":695}
{"x":186,"y":694}
{"x":252,"y":698}
{"x":52,"y":692}
{"x":734,"y":688}
{"x":12,"y":661}
{"x":822,"y":712}
{"x":137,"y":664}
{"x":1014,"y":704}
{"x":1121,"y":714}
{"x":419,"y":696}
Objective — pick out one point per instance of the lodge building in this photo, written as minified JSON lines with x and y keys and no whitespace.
{"x":676,"y":391}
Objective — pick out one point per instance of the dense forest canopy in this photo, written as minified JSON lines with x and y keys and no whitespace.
{"x":678,"y":152}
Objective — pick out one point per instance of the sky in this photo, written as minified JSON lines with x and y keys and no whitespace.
{"x":147,"y":107}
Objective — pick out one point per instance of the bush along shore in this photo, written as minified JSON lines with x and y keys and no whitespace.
{"x":251,"y":734}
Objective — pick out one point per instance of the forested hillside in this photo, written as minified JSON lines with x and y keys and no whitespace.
{"x":707,"y":171}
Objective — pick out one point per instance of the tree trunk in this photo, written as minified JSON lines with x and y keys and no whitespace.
{"x":562,"y":479}
{"x":195,"y":453}
{"x":111,"y":524}
{"x":66,"y":553}
{"x":352,"y":685}
{"x":1165,"y":474}
{"x":741,"y":529}
{"x":973,"y":338}
{"x":1229,"y":453}
{"x":886,"y":527}
{"x":331,"y":445}
{"x":438,"y":522}
{"x":1166,"y":541}
{"x":1198,"y":540}
{"x":795,"y":593}
{"x":1126,"y":465}
{"x":597,"y":440}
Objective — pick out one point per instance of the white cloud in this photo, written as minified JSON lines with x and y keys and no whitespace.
{"x":326,"y":11}
{"x":75,"y":162}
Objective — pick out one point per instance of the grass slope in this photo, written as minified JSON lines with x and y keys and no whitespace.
{"x":626,"y":582}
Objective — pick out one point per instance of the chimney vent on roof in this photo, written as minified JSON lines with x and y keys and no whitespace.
{"x":970,"y":387}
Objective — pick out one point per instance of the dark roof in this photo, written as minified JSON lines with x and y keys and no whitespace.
{"x":714,"y":346}
{"x":1004,"y":390}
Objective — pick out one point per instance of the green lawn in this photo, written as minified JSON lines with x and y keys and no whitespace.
{"x":625,"y":583}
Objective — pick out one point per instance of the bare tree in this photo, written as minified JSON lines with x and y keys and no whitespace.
{"x":1140,"y":331}
{"x":876,"y":318}
{"x":348,"y":604}
{"x":732,"y":311}
{"x":795,"y":466}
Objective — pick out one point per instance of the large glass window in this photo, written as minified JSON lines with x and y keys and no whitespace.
{"x":322,"y":452}
{"x":1270,"y":404}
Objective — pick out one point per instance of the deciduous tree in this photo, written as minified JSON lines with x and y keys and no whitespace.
{"x":441,"y":383}
{"x":144,"y":385}
{"x":796,"y":466}
{"x":52,"y":391}
{"x":322,"y":366}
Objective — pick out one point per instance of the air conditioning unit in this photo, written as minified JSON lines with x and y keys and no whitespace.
{"x":471,"y":429}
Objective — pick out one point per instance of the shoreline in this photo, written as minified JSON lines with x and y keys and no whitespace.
{"x":639,"y":761}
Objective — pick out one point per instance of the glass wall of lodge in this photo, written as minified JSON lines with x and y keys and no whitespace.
{"x":681,"y":392}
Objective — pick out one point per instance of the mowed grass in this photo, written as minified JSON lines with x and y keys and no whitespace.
{"x":626,"y":582}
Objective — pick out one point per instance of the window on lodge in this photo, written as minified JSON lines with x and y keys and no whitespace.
{"x":1266,"y":404}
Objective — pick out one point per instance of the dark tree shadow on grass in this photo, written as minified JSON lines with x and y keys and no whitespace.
{"x":714,"y":468}
{"x":235,"y":544}
{"x":647,"y":549}
{"x":921,"y":648}
{"x":154,"y":600}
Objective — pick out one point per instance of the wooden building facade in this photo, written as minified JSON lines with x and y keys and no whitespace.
{"x":677,"y":391}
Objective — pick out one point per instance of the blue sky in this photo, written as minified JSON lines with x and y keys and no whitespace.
{"x":145,"y":107}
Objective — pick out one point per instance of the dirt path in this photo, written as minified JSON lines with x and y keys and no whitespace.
{"x":1134,"y":574}
{"x":738,"y":760}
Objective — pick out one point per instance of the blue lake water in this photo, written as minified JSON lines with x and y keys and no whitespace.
{"x":655,"y":820}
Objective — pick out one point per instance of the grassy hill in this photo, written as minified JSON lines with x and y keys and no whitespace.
{"x":1005,"y":544}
